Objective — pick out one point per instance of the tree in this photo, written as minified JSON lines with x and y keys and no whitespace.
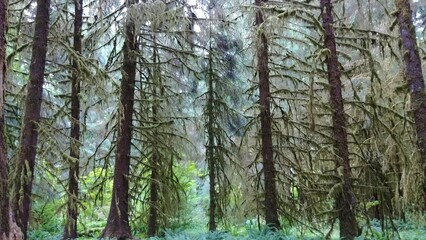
{"x":72,"y":211}
{"x":4,"y":191}
{"x":157,"y":127}
{"x":345,"y":201}
{"x":271,"y":197}
{"x":211,"y":148}
{"x":221,"y":82}
{"x":414,"y":78}
{"x":118,"y":218}
{"x":24,"y":169}
{"x":156,"y":158}
{"x":159,"y":132}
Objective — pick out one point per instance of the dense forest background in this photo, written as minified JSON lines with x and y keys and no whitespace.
{"x":212,"y":119}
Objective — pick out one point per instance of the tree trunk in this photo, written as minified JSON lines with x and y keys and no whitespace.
{"x":4,"y":192}
{"x":24,"y":169}
{"x":271,"y":198}
{"x":414,"y":78}
{"x":153,"y":195}
{"x":70,"y":231}
{"x":210,"y":150}
{"x":155,"y":157}
{"x":118,"y":218}
{"x":345,"y":202}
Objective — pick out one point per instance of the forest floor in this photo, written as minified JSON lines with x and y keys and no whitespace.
{"x":402,"y":230}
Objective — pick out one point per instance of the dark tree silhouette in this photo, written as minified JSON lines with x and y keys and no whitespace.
{"x":271,"y":198}
{"x":414,"y":78}
{"x":24,"y":168}
{"x":211,"y":146}
{"x":118,"y":218}
{"x":4,"y":192}
{"x":70,"y":231}
{"x":155,"y":178}
{"x":345,"y":202}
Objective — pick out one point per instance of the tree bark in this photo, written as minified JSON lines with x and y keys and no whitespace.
{"x":118,"y":218}
{"x":345,"y":202}
{"x":70,"y":231}
{"x":271,"y":198}
{"x":153,"y":193}
{"x":4,"y":191}
{"x":155,"y":157}
{"x":24,"y":169}
{"x":414,"y":78}
{"x":211,"y":148}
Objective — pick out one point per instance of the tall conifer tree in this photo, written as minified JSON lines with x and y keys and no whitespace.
{"x":414,"y":77}
{"x":345,"y":201}
{"x":24,"y":168}
{"x":118,"y":219}
{"x":271,"y":196}
{"x":72,"y":212}
{"x":4,"y":191}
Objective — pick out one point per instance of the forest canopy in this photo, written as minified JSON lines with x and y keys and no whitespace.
{"x":212,"y":119}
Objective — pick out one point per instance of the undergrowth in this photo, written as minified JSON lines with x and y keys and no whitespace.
{"x":413,"y":228}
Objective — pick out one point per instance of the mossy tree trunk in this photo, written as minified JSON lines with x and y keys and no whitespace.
{"x":211,"y":145}
{"x":70,"y":231}
{"x":414,"y":78}
{"x":4,"y":192}
{"x":217,"y":111}
{"x":154,"y":186}
{"x":153,"y":200}
{"x":24,"y":168}
{"x":345,"y":202}
{"x":156,"y":157}
{"x":118,"y":219}
{"x":271,"y":198}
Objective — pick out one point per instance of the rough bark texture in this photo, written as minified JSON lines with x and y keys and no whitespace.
{"x":15,"y":232}
{"x":414,"y":78}
{"x":153,"y":194}
{"x":70,"y":231}
{"x":118,"y":218}
{"x":24,"y":168}
{"x":210,"y":150}
{"x":345,"y":202}
{"x":4,"y":192}
{"x":271,"y":205}
{"x":155,"y":157}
